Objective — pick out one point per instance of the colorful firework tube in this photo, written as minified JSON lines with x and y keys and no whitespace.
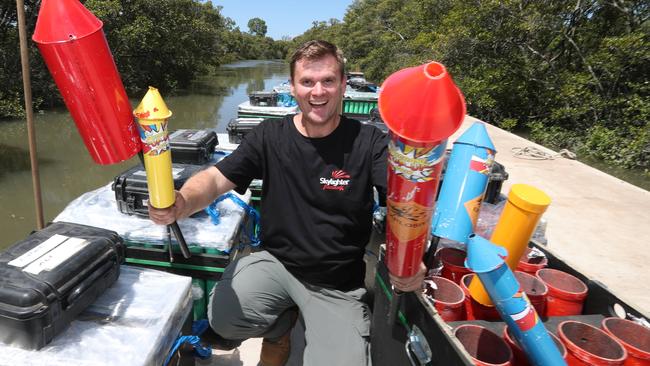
{"x":521,"y":213}
{"x":75,"y":51}
{"x":464,"y":184}
{"x":488,"y":261}
{"x":422,"y":107}
{"x":413,"y":177}
{"x":152,"y":114}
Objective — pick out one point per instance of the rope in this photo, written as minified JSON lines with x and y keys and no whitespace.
{"x":200,"y":351}
{"x":213,"y":212}
{"x":533,"y":153}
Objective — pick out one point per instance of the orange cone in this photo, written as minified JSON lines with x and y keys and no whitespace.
{"x":422,"y":103}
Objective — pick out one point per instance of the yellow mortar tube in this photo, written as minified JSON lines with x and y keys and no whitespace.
{"x":520,"y":216}
{"x":152,"y":114}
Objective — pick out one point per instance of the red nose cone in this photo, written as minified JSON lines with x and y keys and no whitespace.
{"x":64,"y":20}
{"x":422,"y":103}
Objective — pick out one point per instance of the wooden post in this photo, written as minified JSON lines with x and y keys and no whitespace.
{"x":31,"y":133}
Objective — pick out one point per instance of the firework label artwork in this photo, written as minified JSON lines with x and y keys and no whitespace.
{"x":409,"y":220}
{"x":155,"y":140}
{"x":482,"y":165}
{"x":415,"y":164}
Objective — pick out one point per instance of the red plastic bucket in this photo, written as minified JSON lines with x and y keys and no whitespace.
{"x":535,"y":290}
{"x":634,"y":337}
{"x":531,"y":265}
{"x":453,"y":264}
{"x":590,"y":346}
{"x":519,"y":357}
{"x":566,"y":293}
{"x":474,"y":309}
{"x":484,"y":346}
{"x":448,"y":298}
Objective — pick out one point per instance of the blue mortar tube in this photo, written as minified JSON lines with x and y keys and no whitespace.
{"x":488,"y":261}
{"x":463,"y":185}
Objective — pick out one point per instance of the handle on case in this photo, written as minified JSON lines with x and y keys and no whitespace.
{"x":88,"y":282}
{"x":180,"y":239}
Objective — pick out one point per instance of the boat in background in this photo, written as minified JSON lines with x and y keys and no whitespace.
{"x":360,"y":98}
{"x":359,"y":102}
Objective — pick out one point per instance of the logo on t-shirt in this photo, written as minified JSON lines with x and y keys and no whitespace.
{"x":337,"y":182}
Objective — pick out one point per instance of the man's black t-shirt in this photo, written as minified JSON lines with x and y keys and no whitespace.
{"x":317,"y":195}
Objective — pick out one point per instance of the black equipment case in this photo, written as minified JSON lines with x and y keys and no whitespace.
{"x":50,"y":277}
{"x":192,"y":146}
{"x":263,"y":98}
{"x":238,"y":128}
{"x":132,"y":192}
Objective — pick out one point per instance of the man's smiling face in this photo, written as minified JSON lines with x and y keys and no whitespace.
{"x":318,"y":87}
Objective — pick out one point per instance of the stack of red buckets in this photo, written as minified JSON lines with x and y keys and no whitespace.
{"x":553,"y":293}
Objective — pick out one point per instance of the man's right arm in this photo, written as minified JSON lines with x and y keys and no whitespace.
{"x":197,"y":193}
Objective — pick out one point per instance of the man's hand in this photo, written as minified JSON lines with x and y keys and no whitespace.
{"x":166,"y":216}
{"x":409,"y":284}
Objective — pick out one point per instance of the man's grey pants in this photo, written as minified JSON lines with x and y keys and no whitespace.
{"x":254,"y":292}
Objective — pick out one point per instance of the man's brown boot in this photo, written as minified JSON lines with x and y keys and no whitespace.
{"x":276,"y":352}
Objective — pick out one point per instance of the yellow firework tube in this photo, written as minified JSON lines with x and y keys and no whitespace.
{"x":152,"y":115}
{"x":520,"y":216}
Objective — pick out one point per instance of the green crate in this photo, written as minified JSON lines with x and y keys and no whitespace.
{"x":358,"y":107}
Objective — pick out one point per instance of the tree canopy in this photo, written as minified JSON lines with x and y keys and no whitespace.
{"x":574,"y":74}
{"x":257,"y":27}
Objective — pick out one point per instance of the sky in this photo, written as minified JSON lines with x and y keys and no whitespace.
{"x":283,"y":17}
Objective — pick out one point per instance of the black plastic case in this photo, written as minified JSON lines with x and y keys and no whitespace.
{"x":238,"y":128}
{"x":50,"y":277}
{"x":192,"y":146}
{"x":496,"y":178}
{"x":261,"y":98}
{"x":132,"y":192}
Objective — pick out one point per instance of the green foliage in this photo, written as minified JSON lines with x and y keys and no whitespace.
{"x":574,"y":74}
{"x":163,"y":43}
{"x":166,"y":44}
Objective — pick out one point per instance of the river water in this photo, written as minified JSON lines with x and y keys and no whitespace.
{"x":66,"y":168}
{"x":67,"y":171}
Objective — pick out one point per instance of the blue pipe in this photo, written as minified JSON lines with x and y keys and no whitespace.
{"x":464,"y":184}
{"x":488,"y":261}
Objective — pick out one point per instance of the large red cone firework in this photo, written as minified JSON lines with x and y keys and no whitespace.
{"x":75,"y":51}
{"x":422,"y":107}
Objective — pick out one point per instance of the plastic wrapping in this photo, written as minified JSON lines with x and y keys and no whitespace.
{"x":98,"y":208}
{"x":488,"y":217}
{"x":135,"y":322}
{"x":279,"y":111}
{"x":350,"y":93}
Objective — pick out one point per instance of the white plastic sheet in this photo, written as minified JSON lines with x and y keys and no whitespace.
{"x":98,"y":208}
{"x":246,"y":107}
{"x":135,"y":322}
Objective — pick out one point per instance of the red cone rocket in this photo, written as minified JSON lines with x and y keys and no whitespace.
{"x":75,"y":51}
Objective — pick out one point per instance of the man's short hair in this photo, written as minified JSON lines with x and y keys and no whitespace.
{"x":314,"y":50}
